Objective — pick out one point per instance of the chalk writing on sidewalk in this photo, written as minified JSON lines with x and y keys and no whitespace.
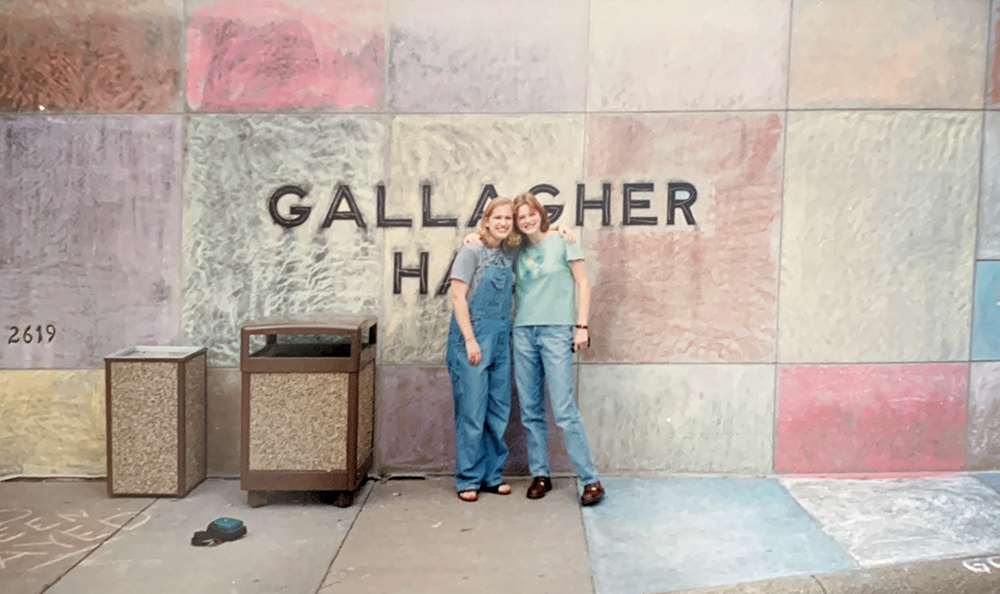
{"x":982,"y":564}
{"x":33,"y":541}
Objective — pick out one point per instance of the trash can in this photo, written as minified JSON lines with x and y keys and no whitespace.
{"x":155,"y":414}
{"x":308,"y":407}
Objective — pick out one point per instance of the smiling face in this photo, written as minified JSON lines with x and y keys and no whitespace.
{"x":528,"y":219}
{"x":500,"y":222}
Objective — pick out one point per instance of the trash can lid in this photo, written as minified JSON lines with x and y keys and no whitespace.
{"x":311,"y":324}
{"x":158,"y":353}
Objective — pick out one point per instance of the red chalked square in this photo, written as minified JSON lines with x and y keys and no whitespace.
{"x":871,"y":418}
{"x":268,"y":56}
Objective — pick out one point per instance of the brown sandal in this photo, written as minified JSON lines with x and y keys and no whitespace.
{"x":496,"y":488}
{"x":469,"y":495}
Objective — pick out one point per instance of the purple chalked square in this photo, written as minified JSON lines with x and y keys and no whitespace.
{"x":416,"y":420}
{"x":89,"y":238}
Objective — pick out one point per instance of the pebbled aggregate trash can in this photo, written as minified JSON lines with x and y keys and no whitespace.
{"x":308,"y":406}
{"x":156,"y":420}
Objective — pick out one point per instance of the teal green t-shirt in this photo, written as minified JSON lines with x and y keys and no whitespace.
{"x":545,"y":289}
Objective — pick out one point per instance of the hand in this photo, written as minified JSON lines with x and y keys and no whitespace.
{"x":472,"y":239}
{"x":568,"y":234}
{"x":472,"y":350}
{"x":581,"y":339}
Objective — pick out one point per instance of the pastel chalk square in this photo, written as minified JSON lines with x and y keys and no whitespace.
{"x":262,"y":55}
{"x":248,"y":255}
{"x":679,"y":418}
{"x":679,"y":275}
{"x":90,"y":237}
{"x":459,"y":56}
{"x":416,"y":425}
{"x":648,"y":55}
{"x":665,"y":534}
{"x":871,"y":418}
{"x":889,"y":521}
{"x":456,"y":162}
{"x":224,"y":395}
{"x":989,"y":202}
{"x":878,"y":236}
{"x":986,"y":322}
{"x":109,"y":57}
{"x":982,"y":441}
{"x":52,"y":422}
{"x":990,"y":478}
{"x":993,"y":72}
{"x":888,"y":53}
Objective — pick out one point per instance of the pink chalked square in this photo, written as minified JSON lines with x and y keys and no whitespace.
{"x":871,"y":418}
{"x":993,"y":82}
{"x":266,"y":55}
{"x":687,"y":286}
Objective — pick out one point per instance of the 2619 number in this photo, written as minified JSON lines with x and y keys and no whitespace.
{"x":31,"y":334}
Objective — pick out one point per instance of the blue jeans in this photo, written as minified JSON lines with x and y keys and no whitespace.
{"x":482,"y":392}
{"x":543,"y":356}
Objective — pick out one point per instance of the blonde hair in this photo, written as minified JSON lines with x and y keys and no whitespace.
{"x":512,"y":240}
{"x":528,"y":199}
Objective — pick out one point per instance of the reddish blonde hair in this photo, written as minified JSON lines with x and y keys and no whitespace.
{"x":528,"y":199}
{"x":512,"y":240}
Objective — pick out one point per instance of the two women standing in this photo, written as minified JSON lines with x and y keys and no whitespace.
{"x":553,"y":302}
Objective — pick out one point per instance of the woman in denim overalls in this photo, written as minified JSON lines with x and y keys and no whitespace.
{"x":478,"y":352}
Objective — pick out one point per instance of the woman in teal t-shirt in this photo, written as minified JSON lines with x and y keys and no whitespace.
{"x":552,"y":296}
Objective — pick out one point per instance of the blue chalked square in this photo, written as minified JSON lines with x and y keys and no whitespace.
{"x":990,"y":478}
{"x":663,"y":534}
{"x":986,"y":321}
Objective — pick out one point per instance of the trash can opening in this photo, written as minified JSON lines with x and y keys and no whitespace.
{"x":301,"y":345}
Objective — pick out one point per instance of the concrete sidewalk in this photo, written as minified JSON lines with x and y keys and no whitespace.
{"x":682,"y":533}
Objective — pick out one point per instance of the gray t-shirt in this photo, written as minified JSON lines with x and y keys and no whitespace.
{"x":472,"y":259}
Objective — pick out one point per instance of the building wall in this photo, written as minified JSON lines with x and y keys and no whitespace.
{"x":828,"y":303}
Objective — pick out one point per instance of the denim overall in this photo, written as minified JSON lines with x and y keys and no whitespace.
{"x":482,"y":392}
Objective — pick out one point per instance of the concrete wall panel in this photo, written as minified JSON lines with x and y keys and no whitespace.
{"x":693,"y":418}
{"x":416,"y":425}
{"x":87,"y":55}
{"x":989,"y":202}
{"x":52,"y":422}
{"x":993,"y":65}
{"x":681,"y":292}
{"x":688,"y":54}
{"x":871,"y":418}
{"x":239,"y":264}
{"x":416,"y":420}
{"x":883,"y":53}
{"x":982,"y":440}
{"x":879,"y":228}
{"x":224,"y":395}
{"x":460,"y":56}
{"x":458,"y":156}
{"x":258,"y":55}
{"x":89,"y":237}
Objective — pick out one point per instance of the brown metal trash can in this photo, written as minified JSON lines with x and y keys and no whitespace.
{"x":155,"y":414}
{"x":308,"y":405}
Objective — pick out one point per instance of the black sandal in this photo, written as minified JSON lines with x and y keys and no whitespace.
{"x":496,"y":488}
{"x":475,"y":495}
